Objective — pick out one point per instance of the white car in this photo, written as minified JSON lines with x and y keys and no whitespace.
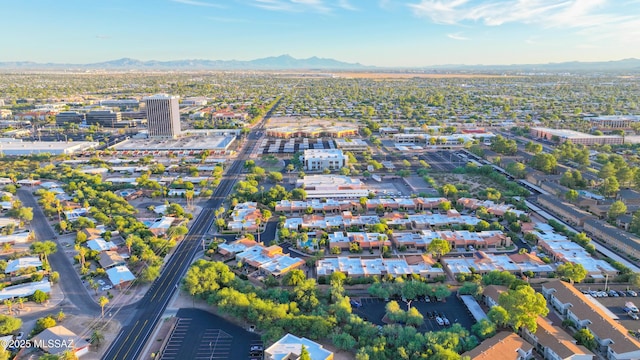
{"x":439,"y":321}
{"x":101,"y":282}
{"x":107,"y":287}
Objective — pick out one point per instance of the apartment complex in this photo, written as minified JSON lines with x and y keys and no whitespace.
{"x":163,"y":116}
{"x":611,"y":337}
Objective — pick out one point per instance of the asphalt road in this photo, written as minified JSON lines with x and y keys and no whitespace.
{"x":70,"y":282}
{"x":129,"y":344}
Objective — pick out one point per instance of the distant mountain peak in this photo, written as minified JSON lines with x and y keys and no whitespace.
{"x":281,"y":62}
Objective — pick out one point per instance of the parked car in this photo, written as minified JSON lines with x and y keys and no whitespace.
{"x":355,"y":303}
{"x":446,"y":321}
{"x":632,"y":293}
{"x":439,"y":321}
{"x":101,"y":282}
{"x":633,"y":315}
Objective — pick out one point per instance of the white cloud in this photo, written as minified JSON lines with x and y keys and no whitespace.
{"x":319,"y":6}
{"x":599,"y":18}
{"x":199,"y":3}
{"x":457,"y":36}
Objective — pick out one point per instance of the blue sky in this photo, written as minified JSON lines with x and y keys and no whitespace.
{"x":372,"y":32}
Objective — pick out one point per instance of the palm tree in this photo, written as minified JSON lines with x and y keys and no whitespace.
{"x":94,"y":285}
{"x":103,"y":301}
{"x":82,"y":251}
{"x":9,"y":304}
{"x":129,"y":243}
{"x":21,"y":301}
{"x":61,"y":315}
{"x":97,"y":338}
{"x":189,"y":196}
{"x":6,"y":247}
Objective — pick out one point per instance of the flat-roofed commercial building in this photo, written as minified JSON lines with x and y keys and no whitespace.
{"x":353,"y":145}
{"x":163,"y":116}
{"x":576,"y":137}
{"x":105,"y":118}
{"x":16,"y":147}
{"x":332,"y":187}
{"x":332,"y":159}
{"x":613,"y":122}
{"x":71,"y":117}
{"x":128,"y":103}
{"x":193,"y":145}
{"x":312,"y":131}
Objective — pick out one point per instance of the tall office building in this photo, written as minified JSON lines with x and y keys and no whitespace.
{"x":163,"y":116}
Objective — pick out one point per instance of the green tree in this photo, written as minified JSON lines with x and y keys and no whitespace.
{"x":498,"y":315}
{"x":439,"y":247}
{"x":294,"y":277}
{"x":585,"y":337}
{"x":616,"y":209}
{"x":44,"y":323}
{"x":523,"y":305}
{"x":544,"y":162}
{"x":610,"y":186}
{"x":9,"y":324}
{"x":571,"y":195}
{"x":275,"y":176}
{"x":304,"y":354}
{"x":497,"y":277}
{"x":40,"y":296}
{"x":571,"y":271}
{"x":44,"y":249}
{"x":97,"y":338}
{"x":484,"y":329}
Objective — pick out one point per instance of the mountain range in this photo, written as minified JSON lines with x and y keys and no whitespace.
{"x":287,"y":62}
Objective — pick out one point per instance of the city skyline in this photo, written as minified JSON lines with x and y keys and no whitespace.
{"x":403,"y":33}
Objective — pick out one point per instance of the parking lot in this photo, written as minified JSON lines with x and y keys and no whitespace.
{"x":202,"y":335}
{"x":373,"y":309}
{"x":616,"y":305}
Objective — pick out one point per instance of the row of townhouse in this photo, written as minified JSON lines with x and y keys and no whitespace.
{"x":461,"y":239}
{"x":482,"y":263}
{"x":549,"y":340}
{"x":490,"y":206}
{"x":393,"y":220}
{"x":333,"y":206}
{"x":560,"y":249}
{"x":343,"y":240}
{"x":267,"y":260}
{"x":613,"y":340}
{"x":363,"y":267}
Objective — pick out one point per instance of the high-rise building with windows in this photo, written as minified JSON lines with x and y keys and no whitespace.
{"x":163,"y":116}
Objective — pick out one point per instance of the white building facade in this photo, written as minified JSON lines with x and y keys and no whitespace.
{"x":163,"y":116}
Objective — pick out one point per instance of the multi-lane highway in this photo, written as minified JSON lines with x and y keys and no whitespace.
{"x":133,"y":337}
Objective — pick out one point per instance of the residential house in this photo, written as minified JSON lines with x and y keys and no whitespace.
{"x":58,"y":339}
{"x":612,"y":338}
{"x":244,"y":217}
{"x":503,"y":346}
{"x":109,"y":259}
{"x":13,"y":266}
{"x":269,"y":259}
{"x":101,"y":245}
{"x":120,"y":276}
